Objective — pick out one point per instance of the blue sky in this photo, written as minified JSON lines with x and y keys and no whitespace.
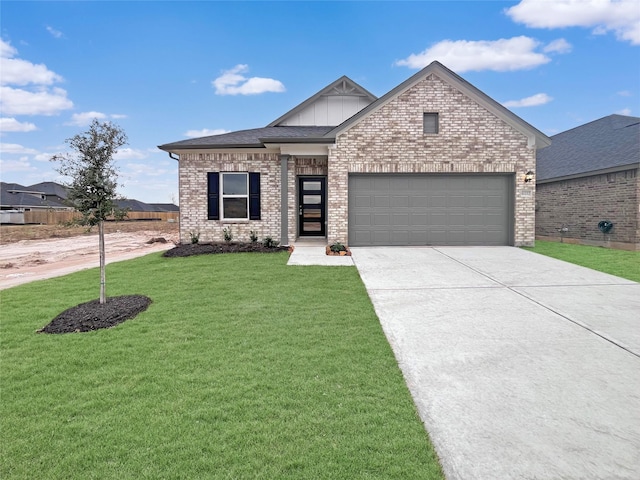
{"x":167,"y":71}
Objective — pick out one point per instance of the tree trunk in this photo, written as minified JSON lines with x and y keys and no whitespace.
{"x":103,"y":279}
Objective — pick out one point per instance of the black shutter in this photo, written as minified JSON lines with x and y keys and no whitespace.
{"x":254,"y":196}
{"x":213,"y":196}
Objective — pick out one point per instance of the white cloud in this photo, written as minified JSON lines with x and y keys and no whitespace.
{"x":55,"y":33}
{"x":558,"y":46}
{"x":38,"y":100}
{"x":6,"y":49}
{"x":232,"y":82}
{"x":20,"y":165}
{"x":16,"y":71}
{"x":13,"y":125}
{"x":505,"y":54}
{"x":532,"y":101}
{"x":129,"y":154}
{"x":14,"y":148}
{"x":138,"y":172}
{"x":625,"y":93}
{"x":620,"y":16}
{"x":85,"y":118}
{"x":15,"y":101}
{"x":624,"y":111}
{"x":45,"y":157}
{"x":205,"y":132}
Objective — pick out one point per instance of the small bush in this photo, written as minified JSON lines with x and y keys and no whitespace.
{"x":228,"y":234}
{"x":253,"y":235}
{"x":270,"y":242}
{"x":195,"y":237}
{"x":337,"y":247}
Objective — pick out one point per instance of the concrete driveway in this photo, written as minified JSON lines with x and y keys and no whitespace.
{"x":521,"y":366}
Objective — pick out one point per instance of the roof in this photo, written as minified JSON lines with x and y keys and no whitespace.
{"x":13,"y":197}
{"x":254,"y":138}
{"x":165,"y":207}
{"x":50,"y":188}
{"x":609,"y":143}
{"x":274,"y":133}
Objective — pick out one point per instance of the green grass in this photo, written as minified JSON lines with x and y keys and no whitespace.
{"x":241,"y":368}
{"x":622,"y":263}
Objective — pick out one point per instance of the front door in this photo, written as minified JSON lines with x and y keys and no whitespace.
{"x":312,"y":209}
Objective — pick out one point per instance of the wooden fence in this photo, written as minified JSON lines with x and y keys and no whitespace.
{"x":56,"y":217}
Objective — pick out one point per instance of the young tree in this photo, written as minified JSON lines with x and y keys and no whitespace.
{"x":92,"y":188}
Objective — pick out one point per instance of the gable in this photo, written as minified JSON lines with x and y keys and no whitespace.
{"x":331,"y":106}
{"x":536,"y":139}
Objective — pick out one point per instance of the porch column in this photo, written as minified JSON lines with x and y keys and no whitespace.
{"x":284,"y":199}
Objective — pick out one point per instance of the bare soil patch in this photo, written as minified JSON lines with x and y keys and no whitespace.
{"x":37,"y":252}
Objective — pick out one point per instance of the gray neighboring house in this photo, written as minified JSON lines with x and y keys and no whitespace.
{"x":42,"y":196}
{"x":432,"y":162}
{"x":53,"y":196}
{"x":588,"y":175}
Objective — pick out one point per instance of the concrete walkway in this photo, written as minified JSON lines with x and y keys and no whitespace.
{"x":312,"y":252}
{"x":521,"y":366}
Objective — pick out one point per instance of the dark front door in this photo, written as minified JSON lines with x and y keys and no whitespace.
{"x":312,"y":209}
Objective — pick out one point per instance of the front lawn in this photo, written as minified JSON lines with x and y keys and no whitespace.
{"x":241,"y":368}
{"x":622,"y":263}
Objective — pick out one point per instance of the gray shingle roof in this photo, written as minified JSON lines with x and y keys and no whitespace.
{"x":12,"y":197}
{"x":252,"y":138}
{"x":610,"y":142}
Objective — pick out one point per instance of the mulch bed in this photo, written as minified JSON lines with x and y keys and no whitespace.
{"x":94,"y":316}
{"x":188,"y":249}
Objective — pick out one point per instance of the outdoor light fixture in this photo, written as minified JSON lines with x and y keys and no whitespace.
{"x":528,"y":176}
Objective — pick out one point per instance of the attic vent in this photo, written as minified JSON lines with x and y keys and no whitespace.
{"x":430,"y":123}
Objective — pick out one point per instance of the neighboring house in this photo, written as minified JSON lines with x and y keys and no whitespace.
{"x":587,"y":176}
{"x":18,"y":197}
{"x":51,"y":196}
{"x":433,"y":162}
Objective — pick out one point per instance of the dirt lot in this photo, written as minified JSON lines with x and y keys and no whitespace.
{"x":35,"y":252}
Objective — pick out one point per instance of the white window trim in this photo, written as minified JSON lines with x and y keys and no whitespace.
{"x":223,"y":196}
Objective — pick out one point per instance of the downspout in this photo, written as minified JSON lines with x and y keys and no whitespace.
{"x":172,"y":157}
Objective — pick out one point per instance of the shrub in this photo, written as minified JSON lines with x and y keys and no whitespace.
{"x":253,"y":235}
{"x":228,"y":234}
{"x":195,"y":237}
{"x":270,"y":242}
{"x":337,"y":247}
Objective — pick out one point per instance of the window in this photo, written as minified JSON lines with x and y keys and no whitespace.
{"x":233,"y":196}
{"x":430,"y":123}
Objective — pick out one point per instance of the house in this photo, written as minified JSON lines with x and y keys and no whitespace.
{"x":433,"y":162}
{"x":588,"y":176}
{"x":43,"y":196}
{"x":44,"y":199}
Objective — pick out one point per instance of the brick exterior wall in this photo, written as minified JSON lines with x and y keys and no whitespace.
{"x":470,"y":140}
{"x":581,"y":203}
{"x":193,"y":169}
{"x":390,"y":140}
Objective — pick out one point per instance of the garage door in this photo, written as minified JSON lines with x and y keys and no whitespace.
{"x":417,"y":209}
